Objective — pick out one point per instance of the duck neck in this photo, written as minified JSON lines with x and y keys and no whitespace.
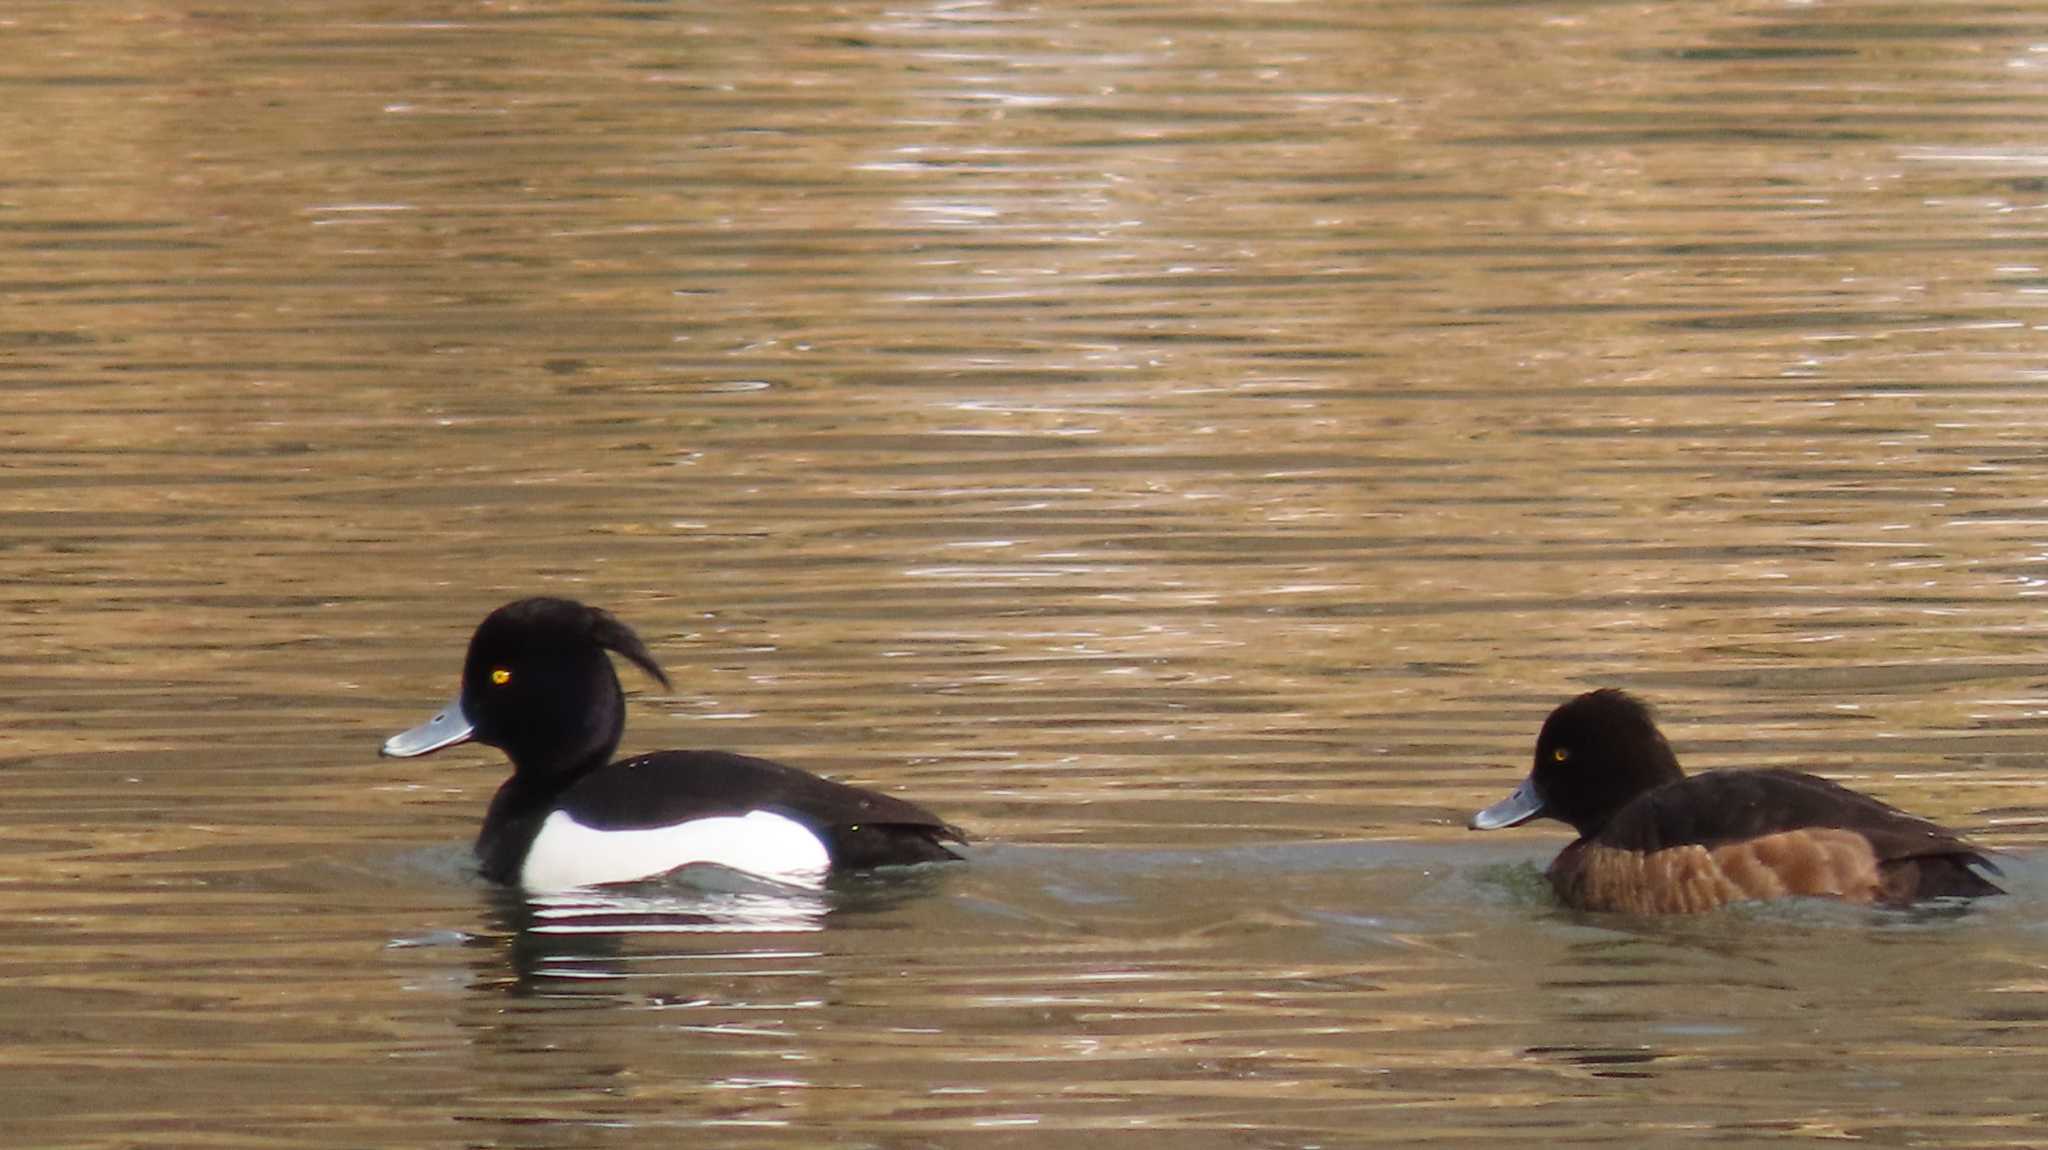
{"x":572,"y":751}
{"x":1650,"y":773}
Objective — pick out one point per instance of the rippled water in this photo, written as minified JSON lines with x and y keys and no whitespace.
{"x":1191,"y":447}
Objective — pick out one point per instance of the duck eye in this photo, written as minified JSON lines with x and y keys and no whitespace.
{"x":500,"y":676}
{"x":1560,"y":754}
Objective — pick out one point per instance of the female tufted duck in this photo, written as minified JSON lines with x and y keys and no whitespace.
{"x":1652,"y":841}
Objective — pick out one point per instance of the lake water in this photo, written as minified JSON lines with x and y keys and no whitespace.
{"x":1191,"y":447}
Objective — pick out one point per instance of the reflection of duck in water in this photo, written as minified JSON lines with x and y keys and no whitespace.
{"x":1653,"y":841}
{"x":605,"y":934}
{"x":537,"y":685}
{"x":767,"y":908}
{"x":667,"y":928}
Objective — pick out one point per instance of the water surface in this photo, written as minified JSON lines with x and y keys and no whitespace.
{"x":1190,"y":448}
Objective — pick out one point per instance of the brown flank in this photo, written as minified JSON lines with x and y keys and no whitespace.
{"x":1686,"y":879}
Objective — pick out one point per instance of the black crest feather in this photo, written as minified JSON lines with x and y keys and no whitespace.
{"x":616,"y":636}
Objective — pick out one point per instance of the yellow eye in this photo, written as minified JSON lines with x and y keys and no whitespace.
{"x":1560,"y":754}
{"x":501,"y":676}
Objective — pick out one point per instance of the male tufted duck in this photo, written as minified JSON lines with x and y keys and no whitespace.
{"x":536,"y":684}
{"x":1652,"y":841}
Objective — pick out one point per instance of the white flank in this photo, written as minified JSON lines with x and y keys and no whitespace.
{"x":566,"y":854}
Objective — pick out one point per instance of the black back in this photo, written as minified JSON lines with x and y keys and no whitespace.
{"x":1722,"y":807}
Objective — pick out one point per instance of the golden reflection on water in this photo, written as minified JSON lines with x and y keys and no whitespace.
{"x":1122,"y":428}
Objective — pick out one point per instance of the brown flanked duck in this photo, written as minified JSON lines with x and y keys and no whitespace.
{"x":1654,"y":841}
